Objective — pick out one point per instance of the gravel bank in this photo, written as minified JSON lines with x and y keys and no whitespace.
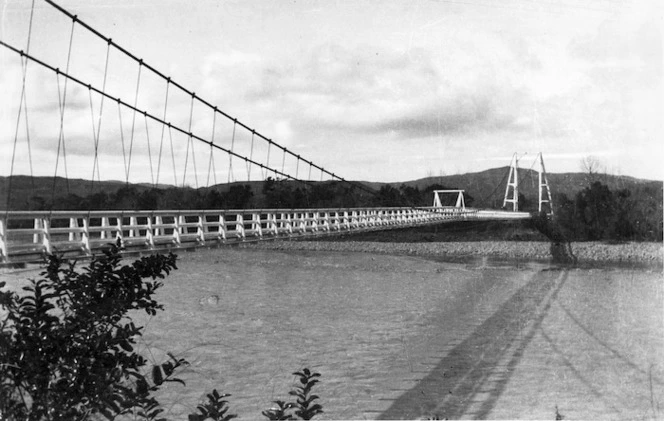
{"x":643,"y":253}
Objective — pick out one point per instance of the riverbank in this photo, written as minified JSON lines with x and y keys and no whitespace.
{"x":586,"y":253}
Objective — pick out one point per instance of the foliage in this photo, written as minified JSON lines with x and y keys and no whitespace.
{"x":598,"y":213}
{"x":67,"y":344}
{"x":413,"y":196}
{"x":280,"y":412}
{"x":274,"y":194}
{"x":67,"y":347}
{"x":561,"y":247}
{"x":287,"y":194}
{"x":304,"y":406}
{"x":215,"y":408}
{"x":132,"y":198}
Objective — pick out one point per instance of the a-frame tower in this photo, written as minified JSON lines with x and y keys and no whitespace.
{"x":512,"y":188}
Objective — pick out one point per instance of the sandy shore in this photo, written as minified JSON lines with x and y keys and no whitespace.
{"x":590,"y":252}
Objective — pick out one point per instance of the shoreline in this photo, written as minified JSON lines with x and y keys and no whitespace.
{"x":593,"y":253}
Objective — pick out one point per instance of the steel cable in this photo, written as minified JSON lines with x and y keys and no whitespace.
{"x":163,"y":127}
{"x":211,"y":161}
{"x":98,"y":131}
{"x":22,"y":104}
{"x":202,"y":101}
{"x":133,"y":120}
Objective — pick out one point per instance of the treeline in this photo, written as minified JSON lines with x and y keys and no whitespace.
{"x":594,"y":213}
{"x":272,"y":194}
{"x":598,"y":213}
{"x":280,"y":194}
{"x":132,"y":198}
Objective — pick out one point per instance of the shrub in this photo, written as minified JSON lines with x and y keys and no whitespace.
{"x":67,"y":347}
{"x":67,"y":344}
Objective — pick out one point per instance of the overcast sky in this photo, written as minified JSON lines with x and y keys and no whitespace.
{"x":371,"y":90}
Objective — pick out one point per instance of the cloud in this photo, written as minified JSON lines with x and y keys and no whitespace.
{"x":632,"y":49}
{"x":373,"y":90}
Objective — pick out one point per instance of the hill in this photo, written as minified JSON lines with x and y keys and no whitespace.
{"x":486,"y":187}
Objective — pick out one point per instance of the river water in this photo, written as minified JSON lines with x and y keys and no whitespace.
{"x":405,"y":337}
{"x":399,"y":337}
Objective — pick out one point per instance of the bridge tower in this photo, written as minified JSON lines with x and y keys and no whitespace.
{"x":460,"y":201}
{"x":513,"y":182}
{"x":544,"y":184}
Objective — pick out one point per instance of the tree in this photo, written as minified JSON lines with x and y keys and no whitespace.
{"x":388,"y":196}
{"x":67,"y":344}
{"x":148,"y":199}
{"x":239,"y":196}
{"x":595,"y":206}
{"x":278,"y":194}
{"x":591,"y":165}
{"x":411,"y":196}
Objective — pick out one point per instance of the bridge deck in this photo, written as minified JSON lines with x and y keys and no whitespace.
{"x":28,"y":236}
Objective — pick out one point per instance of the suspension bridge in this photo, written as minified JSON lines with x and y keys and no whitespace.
{"x":144,"y":139}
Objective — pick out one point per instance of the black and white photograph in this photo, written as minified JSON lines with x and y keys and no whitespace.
{"x":331,"y":210}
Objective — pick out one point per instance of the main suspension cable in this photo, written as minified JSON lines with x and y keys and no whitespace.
{"x":202,"y":101}
{"x":155,"y":118}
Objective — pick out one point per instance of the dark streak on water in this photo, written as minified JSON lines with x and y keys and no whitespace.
{"x":492,"y":262}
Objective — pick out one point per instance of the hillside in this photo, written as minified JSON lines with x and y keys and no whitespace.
{"x":486,"y":187}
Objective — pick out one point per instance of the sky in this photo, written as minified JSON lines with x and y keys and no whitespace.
{"x":370,"y":90}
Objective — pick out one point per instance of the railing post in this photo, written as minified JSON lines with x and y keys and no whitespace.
{"x":4,"y":253}
{"x":119,"y":234}
{"x":36,"y":237}
{"x":85,"y":236}
{"x":273,"y":220}
{"x":177,"y":230}
{"x":132,"y":224}
{"x":222,"y":228}
{"x":159,"y":221}
{"x":149,"y":232}
{"x":239,"y":226}
{"x":301,"y":218}
{"x":73,"y":235}
{"x":256,"y":224}
{"x":46,"y":236}
{"x":201,"y":228}
{"x":326,"y":221}
{"x":289,"y":224}
{"x":104,"y":223}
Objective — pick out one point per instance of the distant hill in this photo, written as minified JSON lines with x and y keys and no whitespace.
{"x":486,"y":187}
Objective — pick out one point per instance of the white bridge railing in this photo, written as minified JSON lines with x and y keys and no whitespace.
{"x":28,"y":236}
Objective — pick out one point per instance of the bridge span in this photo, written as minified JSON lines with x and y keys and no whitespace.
{"x":209,"y":135}
{"x":28,"y":236}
